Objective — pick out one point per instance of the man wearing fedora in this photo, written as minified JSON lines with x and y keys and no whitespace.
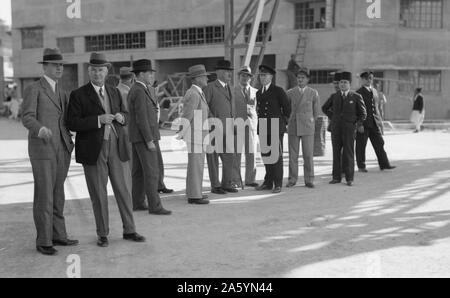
{"x":372,"y":128}
{"x":347,"y":111}
{"x":144,"y":135}
{"x":220,"y":98}
{"x":273,"y":106}
{"x":96,"y":112}
{"x":195,"y":113}
{"x":245,"y":98}
{"x":305,"y":110}
{"x":124,"y":86}
{"x":50,"y":148}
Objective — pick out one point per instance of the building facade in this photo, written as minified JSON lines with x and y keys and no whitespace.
{"x":407,"y":46}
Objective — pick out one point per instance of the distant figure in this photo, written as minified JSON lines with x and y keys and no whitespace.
{"x":293,"y":69}
{"x":418,"y":113}
{"x":381,"y":100}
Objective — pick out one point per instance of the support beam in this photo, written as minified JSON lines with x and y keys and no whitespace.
{"x":254,"y":32}
{"x":2,"y":83}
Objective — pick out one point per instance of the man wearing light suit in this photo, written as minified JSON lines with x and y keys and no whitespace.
{"x":96,"y":112}
{"x":220,"y":98}
{"x":245,"y":99}
{"x":195,"y":113}
{"x":50,"y":146}
{"x":305,"y":110}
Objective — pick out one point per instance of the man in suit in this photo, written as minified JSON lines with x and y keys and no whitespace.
{"x":195,"y":113}
{"x":273,"y":106}
{"x":305,"y":110}
{"x":245,"y":99}
{"x":124,"y":86}
{"x":50,"y":148}
{"x":418,"y":113}
{"x":372,"y":128}
{"x":220,"y":98}
{"x":346,"y":110}
{"x":96,"y":112}
{"x":144,"y":135}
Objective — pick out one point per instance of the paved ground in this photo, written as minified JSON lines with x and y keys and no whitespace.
{"x":390,"y":224}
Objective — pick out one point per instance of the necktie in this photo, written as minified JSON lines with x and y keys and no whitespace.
{"x":107,"y":127}
{"x":57,"y":95}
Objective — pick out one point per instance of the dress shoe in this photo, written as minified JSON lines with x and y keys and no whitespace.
{"x":198,"y":201}
{"x":310,"y":185}
{"x":47,"y":250}
{"x":66,"y":242}
{"x":218,"y":191}
{"x":276,"y":189}
{"x":141,"y":208}
{"x":389,"y":168}
{"x":254,"y":184}
{"x":103,"y":242}
{"x":162,"y":211}
{"x":335,"y":182}
{"x":363,"y":170}
{"x":290,"y":184}
{"x":135,"y":237}
{"x":165,"y":190}
{"x":263,"y":187}
{"x":231,"y":190}
{"x":349,"y":183}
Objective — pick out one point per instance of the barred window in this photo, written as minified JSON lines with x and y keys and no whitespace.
{"x":111,"y":42}
{"x":261,"y":32}
{"x":194,"y":36}
{"x":310,"y":14}
{"x":66,"y":44}
{"x":421,"y":13}
{"x":429,"y":81}
{"x":32,"y":38}
{"x":319,"y":77}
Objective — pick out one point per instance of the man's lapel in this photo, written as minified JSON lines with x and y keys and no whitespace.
{"x":223,"y":90}
{"x":52,"y":95}
{"x":93,"y":96}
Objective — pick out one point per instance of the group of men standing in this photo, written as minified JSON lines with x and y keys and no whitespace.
{"x":117,"y":138}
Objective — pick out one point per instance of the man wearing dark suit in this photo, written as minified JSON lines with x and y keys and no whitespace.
{"x":372,"y":128}
{"x":272,"y":105}
{"x":96,"y":112}
{"x":220,"y":98}
{"x":50,"y":146}
{"x":346,"y":110}
{"x":144,"y":135}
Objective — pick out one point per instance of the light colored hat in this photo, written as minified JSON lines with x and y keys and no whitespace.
{"x":125,"y":71}
{"x":246,"y":70}
{"x":98,"y":60}
{"x":197,"y":71}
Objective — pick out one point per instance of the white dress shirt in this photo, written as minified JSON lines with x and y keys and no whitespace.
{"x":51,"y":82}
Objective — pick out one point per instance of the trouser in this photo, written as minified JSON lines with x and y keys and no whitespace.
{"x":195,"y":170}
{"x":145,"y":177}
{"x":161,"y":184}
{"x":48,"y":204}
{"x":274,"y":171}
{"x":109,"y":165}
{"x":343,"y":140}
{"x":376,"y":138}
{"x":250,"y":148}
{"x":308,"y":158}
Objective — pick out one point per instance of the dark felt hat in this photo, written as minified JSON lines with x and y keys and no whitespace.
{"x":142,"y":65}
{"x":346,"y":76}
{"x":52,"y":56}
{"x":224,"y":64}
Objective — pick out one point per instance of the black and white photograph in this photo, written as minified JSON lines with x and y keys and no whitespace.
{"x":225,"y":145}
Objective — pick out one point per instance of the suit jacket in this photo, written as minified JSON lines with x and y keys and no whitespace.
{"x":246,"y":105}
{"x":42,"y":107}
{"x":144,"y":126}
{"x":84,"y":109}
{"x":418,"y":104}
{"x":373,"y":115}
{"x":194,"y":101}
{"x":221,"y":103}
{"x":273,"y":104}
{"x":305,"y":110}
{"x":349,"y":111}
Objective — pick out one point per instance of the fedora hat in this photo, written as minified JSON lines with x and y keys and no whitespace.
{"x":245,"y":70}
{"x":142,"y":65}
{"x":125,"y":72}
{"x":52,"y":56}
{"x":266,"y":69}
{"x":99,"y":60}
{"x":224,"y":64}
{"x":197,"y":71}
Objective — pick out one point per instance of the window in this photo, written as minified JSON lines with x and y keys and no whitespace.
{"x":195,"y":36}
{"x":318,"y":77}
{"x":261,"y":32}
{"x":421,"y":13}
{"x":32,"y":38}
{"x":111,"y":42}
{"x":430,"y":80}
{"x":311,"y":14}
{"x":66,"y":44}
